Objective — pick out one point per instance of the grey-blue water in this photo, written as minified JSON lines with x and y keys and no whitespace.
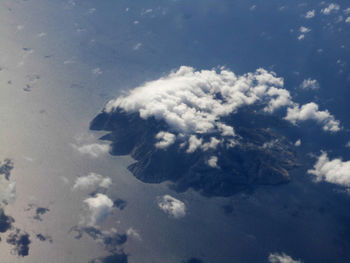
{"x":61,"y":61}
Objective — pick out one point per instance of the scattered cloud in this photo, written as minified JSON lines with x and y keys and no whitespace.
{"x":332,"y":8}
{"x":94,"y":150}
{"x":42,"y":34}
{"x":100,"y":206}
{"x":213,"y":162}
{"x":172,"y":206}
{"x":137,"y":46}
{"x":301,"y":37}
{"x":310,"y":111}
{"x":297,"y":143}
{"x":347,"y":11}
{"x":92,"y":180}
{"x":310,"y":14}
{"x":8,"y":194}
{"x":96,"y":71}
{"x":310,"y":84}
{"x":347,"y":20}
{"x":347,"y":144}
{"x":281,"y":258}
{"x":304,"y":29}
{"x":131,"y":232}
{"x":334,"y":171}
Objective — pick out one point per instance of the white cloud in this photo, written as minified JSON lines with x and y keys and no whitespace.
{"x":137,"y":46}
{"x":331,"y":8}
{"x":194,"y":143}
{"x":172,"y":206}
{"x":347,"y":144}
{"x":188,"y":100}
{"x":281,"y":258}
{"x":333,"y":171}
{"x":297,"y":143}
{"x":7,"y":194}
{"x":94,"y":150}
{"x":42,"y":34}
{"x":131,"y":232}
{"x":310,"y":14}
{"x":212,"y":144}
{"x":301,"y":37}
{"x":310,"y":112}
{"x":96,"y":71}
{"x":304,"y":29}
{"x":92,"y":180}
{"x":165,"y":139}
{"x":310,"y":84}
{"x":213,"y":162}
{"x":100,"y":206}
{"x":347,"y":11}
{"x":347,"y":20}
{"x":91,"y":10}
{"x":192,"y":103}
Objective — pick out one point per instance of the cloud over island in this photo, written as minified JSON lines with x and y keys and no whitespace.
{"x":193,"y":103}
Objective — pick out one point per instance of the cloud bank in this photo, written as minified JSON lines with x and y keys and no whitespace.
{"x":172,"y":206}
{"x":334,"y":171}
{"x":193,"y":103}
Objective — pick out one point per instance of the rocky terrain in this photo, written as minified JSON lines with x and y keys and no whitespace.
{"x":261,"y":156}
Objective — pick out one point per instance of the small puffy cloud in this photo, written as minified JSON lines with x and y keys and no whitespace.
{"x":92,"y":180}
{"x":347,"y":144}
{"x":297,"y":143}
{"x":301,"y":37}
{"x":165,"y":139}
{"x":8,"y":192}
{"x":310,"y":84}
{"x":253,"y":7}
{"x":304,"y":29}
{"x":347,"y":11}
{"x":42,"y":34}
{"x":172,"y":206}
{"x":212,"y":144}
{"x":131,"y":232}
{"x":347,"y":20}
{"x":310,"y":14}
{"x":137,"y":46}
{"x":100,"y":206}
{"x":310,"y":111}
{"x":194,"y":143}
{"x":94,"y":150}
{"x":213,"y":162}
{"x":96,"y":71}
{"x":334,"y":171}
{"x":281,"y":258}
{"x":332,"y":8}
